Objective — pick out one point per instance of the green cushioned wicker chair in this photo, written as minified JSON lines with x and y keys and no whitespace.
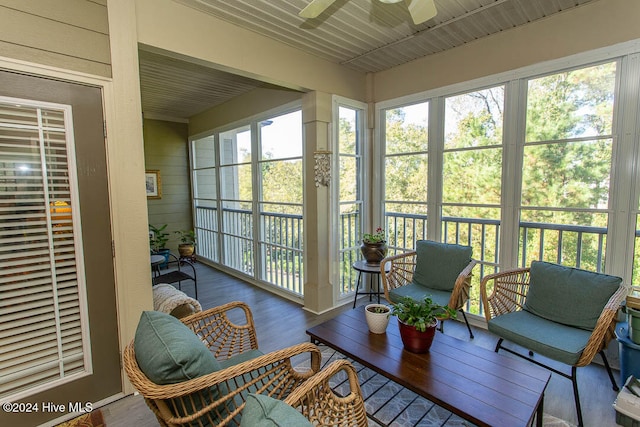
{"x":200,"y":369}
{"x":440,"y":270}
{"x":563,"y":313}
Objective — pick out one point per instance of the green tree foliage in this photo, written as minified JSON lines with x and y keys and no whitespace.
{"x":350,"y":163}
{"x":406,"y":164}
{"x":282,"y":185}
{"x":562,"y":172}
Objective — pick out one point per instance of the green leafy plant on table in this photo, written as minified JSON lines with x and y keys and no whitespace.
{"x":420,"y":313}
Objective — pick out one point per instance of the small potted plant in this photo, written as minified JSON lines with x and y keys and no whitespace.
{"x":187,"y":242}
{"x":417,"y":320}
{"x":377,"y":316}
{"x":374,"y":247}
{"x":158,"y":238}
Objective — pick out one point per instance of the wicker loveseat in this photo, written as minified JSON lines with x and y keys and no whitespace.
{"x":440,"y":270}
{"x":200,"y":369}
{"x":562,"y":313}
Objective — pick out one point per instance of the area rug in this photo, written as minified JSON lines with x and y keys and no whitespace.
{"x":389,"y":404}
{"x":91,"y":419}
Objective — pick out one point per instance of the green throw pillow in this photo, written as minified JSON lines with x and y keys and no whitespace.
{"x":168,"y":352}
{"x":438,"y":265}
{"x":568,"y":295}
{"x":265,"y":411}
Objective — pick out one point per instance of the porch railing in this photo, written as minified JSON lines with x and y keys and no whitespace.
{"x":577,"y":246}
{"x":206,"y":228}
{"x":349,"y":251}
{"x":281,"y":249}
{"x":281,"y":244}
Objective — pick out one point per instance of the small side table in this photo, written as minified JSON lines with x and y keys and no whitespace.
{"x":374,"y":273}
{"x":156,"y":261}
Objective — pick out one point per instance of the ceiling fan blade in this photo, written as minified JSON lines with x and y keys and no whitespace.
{"x":315,"y":8}
{"x":421,"y":10}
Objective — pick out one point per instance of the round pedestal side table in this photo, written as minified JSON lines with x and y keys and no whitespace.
{"x":374,"y":277}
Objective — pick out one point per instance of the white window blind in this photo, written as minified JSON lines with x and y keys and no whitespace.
{"x":43,"y":333}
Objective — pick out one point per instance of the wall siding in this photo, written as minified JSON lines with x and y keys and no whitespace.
{"x":166,"y":150}
{"x":74,"y":37}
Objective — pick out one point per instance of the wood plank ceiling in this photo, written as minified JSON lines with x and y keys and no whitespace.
{"x":365,"y":35}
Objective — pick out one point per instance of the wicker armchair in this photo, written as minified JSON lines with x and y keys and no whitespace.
{"x":401,"y":272}
{"x":219,"y":397}
{"x":506,"y":292}
{"x":322,"y":406}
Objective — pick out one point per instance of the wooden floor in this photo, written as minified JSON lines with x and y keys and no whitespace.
{"x":281,"y":323}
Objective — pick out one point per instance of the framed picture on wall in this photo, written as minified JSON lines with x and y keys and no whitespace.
{"x":153,"y":184}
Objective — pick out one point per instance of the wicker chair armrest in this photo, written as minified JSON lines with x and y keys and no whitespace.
{"x":224,"y":337}
{"x":460,"y":293}
{"x":322,"y":406}
{"x":220,"y":396}
{"x":509,"y":292}
{"x":605,"y":327}
{"x":400,"y":271}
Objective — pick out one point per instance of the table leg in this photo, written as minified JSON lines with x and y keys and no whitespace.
{"x":357,"y":287}
{"x":540,"y":411}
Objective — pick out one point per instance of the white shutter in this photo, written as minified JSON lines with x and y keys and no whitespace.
{"x":43,"y":328}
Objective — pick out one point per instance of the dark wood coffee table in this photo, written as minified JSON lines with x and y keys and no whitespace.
{"x":477,"y":384}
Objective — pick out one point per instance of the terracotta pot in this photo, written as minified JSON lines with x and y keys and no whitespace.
{"x":377,"y":322}
{"x":414,"y":340}
{"x":373,"y":253}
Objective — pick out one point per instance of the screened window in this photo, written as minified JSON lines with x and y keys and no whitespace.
{"x":566,"y":172}
{"x":248,"y":198}
{"x":236,"y":195}
{"x":406,"y":165}
{"x":43,"y":331}
{"x":350,"y":197}
{"x":205,"y":194}
{"x":280,"y":200}
{"x":472,"y":175}
{"x":526,"y":171}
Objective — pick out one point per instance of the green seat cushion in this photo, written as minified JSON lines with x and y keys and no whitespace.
{"x":556,"y":341}
{"x":265,"y":411}
{"x":168,"y":352}
{"x":418,"y":292}
{"x":568,"y":295}
{"x":438,"y":265}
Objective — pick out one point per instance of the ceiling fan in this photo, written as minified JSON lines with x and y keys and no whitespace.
{"x":420,"y":10}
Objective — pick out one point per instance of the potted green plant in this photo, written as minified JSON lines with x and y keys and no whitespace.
{"x":187,"y":244}
{"x":417,"y":320}
{"x":158,"y":239}
{"x":377,"y":316}
{"x":374,"y":246}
